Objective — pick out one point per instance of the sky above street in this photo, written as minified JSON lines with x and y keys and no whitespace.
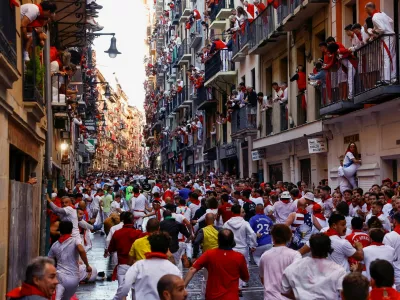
{"x":127,"y":19}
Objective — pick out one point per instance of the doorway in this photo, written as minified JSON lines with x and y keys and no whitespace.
{"x":275,"y":173}
{"x":305,"y":170}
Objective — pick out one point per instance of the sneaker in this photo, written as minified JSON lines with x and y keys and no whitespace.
{"x":26,"y":56}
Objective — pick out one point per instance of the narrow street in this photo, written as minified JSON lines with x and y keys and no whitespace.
{"x":106,"y":290}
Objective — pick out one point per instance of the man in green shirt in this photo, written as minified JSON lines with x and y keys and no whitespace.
{"x":107,"y":199}
{"x":129,"y":193}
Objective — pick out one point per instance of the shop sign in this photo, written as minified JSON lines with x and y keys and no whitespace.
{"x":317,"y":145}
{"x":89,"y":144}
{"x":230,"y":151}
{"x":90,"y":124}
{"x":351,"y":138}
{"x":257,"y":154}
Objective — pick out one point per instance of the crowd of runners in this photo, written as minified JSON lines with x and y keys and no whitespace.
{"x":308,"y":242}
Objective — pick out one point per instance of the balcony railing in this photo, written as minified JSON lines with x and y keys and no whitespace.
{"x":211,"y":142}
{"x":33,"y":79}
{"x":222,"y":4}
{"x":183,"y":49}
{"x":241,"y":38}
{"x":244,"y":119}
{"x":262,"y":27}
{"x":8,"y":34}
{"x":219,"y":62}
{"x":377,"y":64}
{"x":282,"y":11}
{"x":196,"y":34}
{"x":293,"y":4}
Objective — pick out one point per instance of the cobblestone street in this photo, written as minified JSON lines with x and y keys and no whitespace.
{"x":106,"y":290}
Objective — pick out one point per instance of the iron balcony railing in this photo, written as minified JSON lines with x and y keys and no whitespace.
{"x":219,"y":62}
{"x":377,"y":64}
{"x":241,"y":38}
{"x":33,"y":78}
{"x":183,"y":49}
{"x":244,"y":118}
{"x":282,"y":11}
{"x":8,"y":34}
{"x":262,"y":27}
{"x":222,"y":4}
{"x":293,"y":4}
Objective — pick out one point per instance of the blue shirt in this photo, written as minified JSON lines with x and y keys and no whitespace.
{"x":262,"y":225}
{"x":184,"y":193}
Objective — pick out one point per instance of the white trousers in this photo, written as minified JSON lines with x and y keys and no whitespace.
{"x":178,"y":255}
{"x":350,"y":76}
{"x":66,"y":287}
{"x":245,"y":253}
{"x":389,"y":58}
{"x":349,"y":173}
{"x":138,"y":217}
{"x":121,"y":271}
{"x":259,"y":251}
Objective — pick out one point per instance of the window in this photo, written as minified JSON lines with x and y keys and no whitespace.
{"x":8,"y":34}
{"x":21,"y":165}
{"x":253,"y":78}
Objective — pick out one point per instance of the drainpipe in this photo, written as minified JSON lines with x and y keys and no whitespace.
{"x":47,"y":182}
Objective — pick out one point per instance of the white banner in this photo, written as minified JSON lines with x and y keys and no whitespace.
{"x":318,"y":145}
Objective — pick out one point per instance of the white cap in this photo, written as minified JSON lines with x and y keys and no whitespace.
{"x":53,"y":195}
{"x":285,"y":195}
{"x":309,"y":196}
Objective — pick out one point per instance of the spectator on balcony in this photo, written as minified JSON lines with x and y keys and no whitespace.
{"x":34,"y":17}
{"x":281,"y":96}
{"x":383,"y":25}
{"x":318,"y":77}
{"x":242,"y":17}
{"x":266,"y":105}
{"x":251,"y":101}
{"x":220,"y":46}
{"x":348,"y":65}
{"x":301,"y":79}
{"x":260,"y":7}
{"x":250,"y":10}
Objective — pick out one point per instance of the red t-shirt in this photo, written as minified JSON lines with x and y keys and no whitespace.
{"x":168,"y":193}
{"x":122,"y":241}
{"x":358,"y":236}
{"x":225,"y":211}
{"x":224,"y":267}
{"x":384,"y":293}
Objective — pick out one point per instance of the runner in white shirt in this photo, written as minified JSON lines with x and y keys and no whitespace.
{"x":139,"y":205}
{"x":342,"y":249}
{"x":95,"y":206}
{"x":66,"y":252}
{"x":257,"y":199}
{"x":315,"y":277}
{"x":392,"y":239}
{"x":116,"y":205}
{"x":376,"y":210}
{"x":146,"y":273}
{"x":377,"y":250}
{"x":283,"y":208}
{"x":274,"y":261}
{"x":66,"y":213}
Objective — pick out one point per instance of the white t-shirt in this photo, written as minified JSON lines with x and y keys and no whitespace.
{"x":114,"y":206}
{"x":384,"y":219}
{"x":67,"y":257}
{"x":313,"y":278}
{"x":139,"y":203}
{"x":193,"y":208}
{"x":377,"y":252}
{"x":31,"y":11}
{"x":155,"y":189}
{"x":184,"y":211}
{"x":144,"y":275}
{"x":96,"y":203}
{"x":68,"y":214}
{"x":387,"y":208}
{"x":282,"y":210}
{"x":342,"y":250}
{"x":392,"y":239}
{"x":272,"y":264}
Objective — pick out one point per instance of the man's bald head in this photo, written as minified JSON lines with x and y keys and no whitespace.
{"x":210,"y":218}
{"x":153,"y":225}
{"x":171,"y":287}
{"x":82,"y":205}
{"x":301,"y":203}
{"x":370,"y":8}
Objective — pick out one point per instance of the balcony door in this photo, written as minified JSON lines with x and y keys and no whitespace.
{"x":305,"y":170}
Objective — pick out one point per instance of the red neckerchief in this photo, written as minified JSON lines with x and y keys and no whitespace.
{"x":286,"y":201}
{"x":25,"y":290}
{"x":375,"y":12}
{"x":332,"y":232}
{"x":159,"y":186}
{"x":376,"y":244}
{"x":301,"y":211}
{"x":397,"y":229}
{"x":378,"y":215}
{"x":267,"y":203}
{"x":389,"y":200}
{"x":359,"y":36}
{"x":63,"y":238}
{"x":150,"y":255}
{"x":327,"y":199}
{"x":195,"y":201}
{"x":368,"y":207}
{"x":136,"y":195}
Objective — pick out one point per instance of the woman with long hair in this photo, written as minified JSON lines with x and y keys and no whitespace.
{"x":351,"y":163}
